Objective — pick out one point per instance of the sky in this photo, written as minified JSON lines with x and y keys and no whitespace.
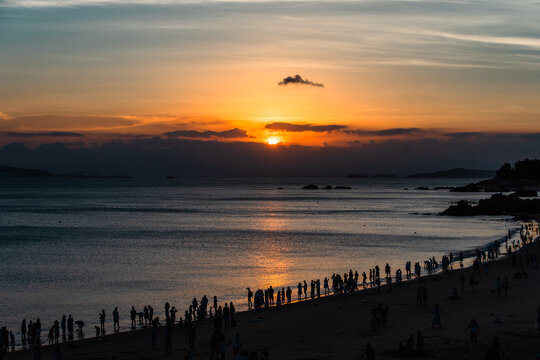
{"x":332,"y":76}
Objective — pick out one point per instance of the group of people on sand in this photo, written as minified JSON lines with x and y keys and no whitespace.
{"x":348,"y":283}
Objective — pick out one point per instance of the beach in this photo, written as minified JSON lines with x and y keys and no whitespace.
{"x":339,"y":327}
{"x":77,"y":246}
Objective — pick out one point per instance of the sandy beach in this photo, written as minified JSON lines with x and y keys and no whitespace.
{"x":339,"y":327}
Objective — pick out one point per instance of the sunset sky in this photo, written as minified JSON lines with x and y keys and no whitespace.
{"x":86,"y":72}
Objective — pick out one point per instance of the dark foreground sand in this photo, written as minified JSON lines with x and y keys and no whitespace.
{"x":335,"y":327}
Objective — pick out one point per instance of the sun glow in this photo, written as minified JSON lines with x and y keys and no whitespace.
{"x":273,"y":140}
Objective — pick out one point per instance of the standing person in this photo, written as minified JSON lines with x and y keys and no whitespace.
{"x":250,"y":297}
{"x":63,"y":326}
{"x":116,"y":320}
{"x":102,"y":320}
{"x":436,"y":317}
{"x":167,"y":307}
{"x":70,"y":327}
{"x":305,"y":289}
{"x":133,"y":316}
{"x":146,"y":315}
{"x":289,"y":295}
{"x":299,"y":290}
{"x":23,"y":330}
{"x":56,"y":331}
{"x":474,"y":329}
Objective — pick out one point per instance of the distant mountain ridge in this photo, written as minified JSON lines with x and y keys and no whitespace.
{"x":456,"y":173}
{"x":10,"y":172}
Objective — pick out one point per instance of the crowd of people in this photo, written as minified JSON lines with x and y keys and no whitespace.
{"x":223,"y":315}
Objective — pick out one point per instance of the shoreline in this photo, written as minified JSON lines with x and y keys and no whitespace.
{"x":468,"y":255}
{"x":242,"y":315}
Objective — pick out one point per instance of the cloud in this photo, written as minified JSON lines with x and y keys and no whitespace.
{"x":41,"y":134}
{"x":385,"y":132}
{"x":531,"y":42}
{"x":464,"y":134}
{"x":282,"y":126}
{"x":4,"y":116}
{"x":227,"y":134}
{"x":66,"y":122}
{"x":297,"y":79}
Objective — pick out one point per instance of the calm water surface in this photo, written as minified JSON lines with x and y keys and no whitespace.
{"x":76,"y":246}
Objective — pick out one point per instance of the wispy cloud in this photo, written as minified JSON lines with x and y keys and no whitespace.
{"x":41,"y":134}
{"x":282,"y":126}
{"x":385,"y":132}
{"x":297,"y":79}
{"x":227,"y":134}
{"x":501,"y":40}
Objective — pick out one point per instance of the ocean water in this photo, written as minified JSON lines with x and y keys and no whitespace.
{"x":76,"y":246}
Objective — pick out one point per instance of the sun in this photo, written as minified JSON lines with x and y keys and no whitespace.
{"x":272,"y":140}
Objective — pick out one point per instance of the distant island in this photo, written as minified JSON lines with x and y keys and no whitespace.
{"x":9,"y":172}
{"x":523,"y":179}
{"x":525,"y":174}
{"x":458,"y":173}
{"x":455,"y":173}
{"x":361,"y":176}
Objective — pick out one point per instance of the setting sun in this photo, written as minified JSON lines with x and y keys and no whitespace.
{"x":273,"y":140}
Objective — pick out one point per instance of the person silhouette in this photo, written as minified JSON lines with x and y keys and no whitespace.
{"x":474,"y":330}
{"x":102,"y":320}
{"x":70,"y":326}
{"x":226,"y":315}
{"x":23,"y":329}
{"x":133,"y":316}
{"x":250,"y":297}
{"x":116,"y":320}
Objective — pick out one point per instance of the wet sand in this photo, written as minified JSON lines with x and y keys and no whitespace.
{"x":336,"y":327}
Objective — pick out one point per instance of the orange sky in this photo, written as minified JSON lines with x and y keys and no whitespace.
{"x":119,"y":69}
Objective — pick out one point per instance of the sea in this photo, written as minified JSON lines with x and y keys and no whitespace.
{"x":77,"y":246}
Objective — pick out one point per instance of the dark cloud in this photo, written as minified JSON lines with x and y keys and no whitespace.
{"x":464,"y":134}
{"x":282,"y":126}
{"x":41,"y":134}
{"x":69,"y":122}
{"x":158,"y":157}
{"x":227,"y":134}
{"x":297,"y":79}
{"x":386,"y":132}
